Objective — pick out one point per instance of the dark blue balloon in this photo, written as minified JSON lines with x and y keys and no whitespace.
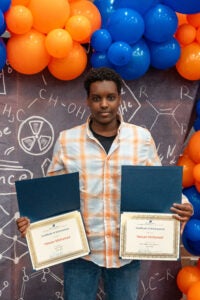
{"x":101,"y":40}
{"x":164,"y":55}
{"x":3,"y":28}
{"x":194,"y":197}
{"x":196,"y":124}
{"x":139,"y":5}
{"x":119,"y":53}
{"x":198,"y":107}
{"x":100,"y":59}
{"x":3,"y":54}
{"x":5,"y":4}
{"x":184,"y":6}
{"x":138,"y":64}
{"x":126,"y":25}
{"x":2,"y":19}
{"x":191,"y":246}
{"x":192,"y":230}
{"x":105,"y":8}
{"x":160,"y":23}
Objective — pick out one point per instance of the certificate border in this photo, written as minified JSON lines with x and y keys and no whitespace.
{"x":143,"y":256}
{"x":50,"y":262}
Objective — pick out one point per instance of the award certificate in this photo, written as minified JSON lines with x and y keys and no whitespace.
{"x":56,"y":240}
{"x":149,"y":236}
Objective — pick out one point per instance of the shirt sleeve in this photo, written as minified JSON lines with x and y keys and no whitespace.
{"x":153,"y":158}
{"x":56,"y":166}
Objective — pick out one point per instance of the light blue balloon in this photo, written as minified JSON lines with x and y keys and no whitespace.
{"x":160,"y":23}
{"x":126,"y":25}
{"x":101,"y":40}
{"x":138,"y":64}
{"x":119,"y":53}
{"x":164,"y":55}
{"x":3,"y":54}
{"x":100,"y":59}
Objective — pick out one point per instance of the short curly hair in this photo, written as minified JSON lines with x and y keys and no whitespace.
{"x":101,"y":74}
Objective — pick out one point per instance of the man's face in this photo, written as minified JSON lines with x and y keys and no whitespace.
{"x":103,"y":101}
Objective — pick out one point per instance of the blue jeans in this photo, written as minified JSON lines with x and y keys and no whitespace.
{"x":81,"y":280}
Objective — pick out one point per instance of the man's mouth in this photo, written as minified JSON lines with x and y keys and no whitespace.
{"x":104,"y":113}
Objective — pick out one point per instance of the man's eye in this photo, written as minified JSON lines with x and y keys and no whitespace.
{"x":111,"y":97}
{"x":95,"y":99}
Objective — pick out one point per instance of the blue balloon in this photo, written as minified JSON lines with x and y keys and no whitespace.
{"x":126,"y":25}
{"x":192,"y":230}
{"x":100,"y":59}
{"x":191,"y":246}
{"x":196,"y":124}
{"x":140,"y":6}
{"x":2,"y":19}
{"x":5,"y":5}
{"x":198,"y":107}
{"x":160,"y":23}
{"x":101,"y":40}
{"x":138,"y":64}
{"x":164,"y":55}
{"x":3,"y":54}
{"x":194,"y":197}
{"x":3,"y":28}
{"x":119,"y":53}
{"x":184,"y":6}
{"x":105,"y":8}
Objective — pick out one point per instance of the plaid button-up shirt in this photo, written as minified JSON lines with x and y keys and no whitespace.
{"x":76,"y":150}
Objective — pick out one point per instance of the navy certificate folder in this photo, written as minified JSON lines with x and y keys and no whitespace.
{"x":45,"y":197}
{"x":150,"y":188}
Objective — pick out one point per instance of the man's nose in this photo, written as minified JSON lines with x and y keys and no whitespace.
{"x":104,"y":102}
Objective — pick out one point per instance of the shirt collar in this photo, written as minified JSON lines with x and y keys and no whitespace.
{"x":119,"y":117}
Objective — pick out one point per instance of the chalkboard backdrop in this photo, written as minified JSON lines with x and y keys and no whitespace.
{"x":33,"y":109}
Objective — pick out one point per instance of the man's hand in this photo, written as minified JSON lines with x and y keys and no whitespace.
{"x":182,"y":212}
{"x":22,"y":225}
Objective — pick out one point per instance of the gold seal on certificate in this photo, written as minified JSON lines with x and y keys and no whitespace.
{"x":149,"y":236}
{"x":57,"y":239}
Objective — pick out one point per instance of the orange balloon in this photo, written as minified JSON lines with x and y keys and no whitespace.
{"x":185,"y":34}
{"x":182,"y":18}
{"x":27,"y":53}
{"x":197,"y":186}
{"x":79,"y":28}
{"x":196,"y":172}
{"x":88,"y":9}
{"x":20,"y":2}
{"x":49,"y":15}
{"x":194,"y":19}
{"x":19,"y":19}
{"x":188,"y":65}
{"x":188,"y":166}
{"x":187,"y":276}
{"x":194,"y":147}
{"x":58,"y":43}
{"x":71,"y":66}
{"x":194,"y":291}
{"x":198,"y":35}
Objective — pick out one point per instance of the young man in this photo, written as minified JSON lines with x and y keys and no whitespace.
{"x":97,"y":150}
